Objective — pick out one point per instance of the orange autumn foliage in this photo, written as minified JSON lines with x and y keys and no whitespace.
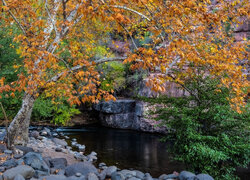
{"x":184,"y":33}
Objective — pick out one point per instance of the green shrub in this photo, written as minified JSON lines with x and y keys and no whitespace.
{"x":207,"y":135}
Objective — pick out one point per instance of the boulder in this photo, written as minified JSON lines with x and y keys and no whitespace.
{"x":25,"y":171}
{"x":204,"y":177}
{"x":25,"y":149}
{"x":117,"y":176}
{"x":169,"y":176}
{"x":60,"y":142}
{"x":34,"y":134}
{"x":92,"y":176}
{"x":36,"y":161}
{"x":186,"y":175}
{"x":9,"y":163}
{"x":139,"y":174}
{"x":58,"y":163}
{"x":19,"y":177}
{"x":81,"y":167}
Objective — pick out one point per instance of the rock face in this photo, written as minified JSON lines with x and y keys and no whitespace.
{"x":127,"y":114}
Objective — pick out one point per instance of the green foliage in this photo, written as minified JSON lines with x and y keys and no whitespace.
{"x":59,"y":113}
{"x":207,"y":135}
{"x":113,"y":77}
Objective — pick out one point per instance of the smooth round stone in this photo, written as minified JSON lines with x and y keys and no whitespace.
{"x":78,"y":174}
{"x":74,"y":139}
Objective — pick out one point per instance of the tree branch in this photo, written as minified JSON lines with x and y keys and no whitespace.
{"x":16,"y":20}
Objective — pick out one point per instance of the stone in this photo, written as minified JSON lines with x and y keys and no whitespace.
{"x":133,"y":178}
{"x":139,"y":174}
{"x":44,"y":133}
{"x":81,"y":148}
{"x":2,"y":169}
{"x":25,"y":149}
{"x":58,"y":163}
{"x":61,"y":142}
{"x":47,"y":160}
{"x":53,"y":177}
{"x":2,"y":148}
{"x":9,"y":163}
{"x":101,"y":164}
{"x":186,"y":175}
{"x":17,"y":156}
{"x":58,"y":149}
{"x":127,"y":173}
{"x":92,"y":176}
{"x":81,"y":167}
{"x":25,"y":171}
{"x":19,"y":177}
{"x":204,"y":177}
{"x":36,"y":161}
{"x":117,"y":176}
{"x":148,"y":177}
{"x":34,"y":134}
{"x":110,"y":170}
{"x":169,"y":176}
{"x":74,"y":139}
{"x":9,"y":152}
{"x":78,"y":174}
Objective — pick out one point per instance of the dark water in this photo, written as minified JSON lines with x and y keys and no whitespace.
{"x":126,"y":149}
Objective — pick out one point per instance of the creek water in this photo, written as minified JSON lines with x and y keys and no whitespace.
{"x":126,"y":149}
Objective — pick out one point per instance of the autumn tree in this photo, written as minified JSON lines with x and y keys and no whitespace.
{"x":183,"y":33}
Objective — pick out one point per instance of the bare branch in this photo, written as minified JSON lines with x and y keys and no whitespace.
{"x":131,"y":10}
{"x":76,"y":68}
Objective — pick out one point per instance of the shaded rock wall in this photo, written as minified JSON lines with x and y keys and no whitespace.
{"x":127,"y":114}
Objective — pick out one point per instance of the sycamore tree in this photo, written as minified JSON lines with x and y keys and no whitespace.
{"x":58,"y":37}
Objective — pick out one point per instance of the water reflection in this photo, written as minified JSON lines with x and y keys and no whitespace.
{"x":127,"y":149}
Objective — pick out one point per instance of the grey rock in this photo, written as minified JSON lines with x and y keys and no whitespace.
{"x":53,"y":177}
{"x":9,"y":163}
{"x":61,"y":172}
{"x":47,"y":160}
{"x":1,"y":177}
{"x":139,"y":174}
{"x":7,"y":151}
{"x":2,"y":169}
{"x":110,"y":170}
{"x":74,"y":139}
{"x":148,"y":177}
{"x":58,"y":149}
{"x":169,"y":176}
{"x":58,"y":163}
{"x":101,"y":164}
{"x":25,"y":171}
{"x":82,"y":148}
{"x":19,"y":177}
{"x":78,"y":174}
{"x":81,"y":167}
{"x":76,"y":178}
{"x":133,"y":178}
{"x":186,"y":175}
{"x":60,"y":142}
{"x":25,"y":149}
{"x":117,"y":176}
{"x":92,"y":176}
{"x":2,"y":148}
{"x":80,"y":157}
{"x":44,"y":133}
{"x":17,"y":156}
{"x":34,"y":134}
{"x":20,"y":161}
{"x":128,"y":173}
{"x":204,"y":177}
{"x":36,"y":161}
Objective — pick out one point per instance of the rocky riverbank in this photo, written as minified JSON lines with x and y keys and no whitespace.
{"x":49,"y":157}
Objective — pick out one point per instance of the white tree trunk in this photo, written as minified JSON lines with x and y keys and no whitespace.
{"x":19,"y":128}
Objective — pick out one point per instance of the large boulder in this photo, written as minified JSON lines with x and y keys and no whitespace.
{"x":36,"y":161}
{"x":186,"y":175}
{"x":25,"y":171}
{"x":82,"y":167}
{"x":25,"y":149}
{"x":204,"y":177}
{"x":60,"y":142}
